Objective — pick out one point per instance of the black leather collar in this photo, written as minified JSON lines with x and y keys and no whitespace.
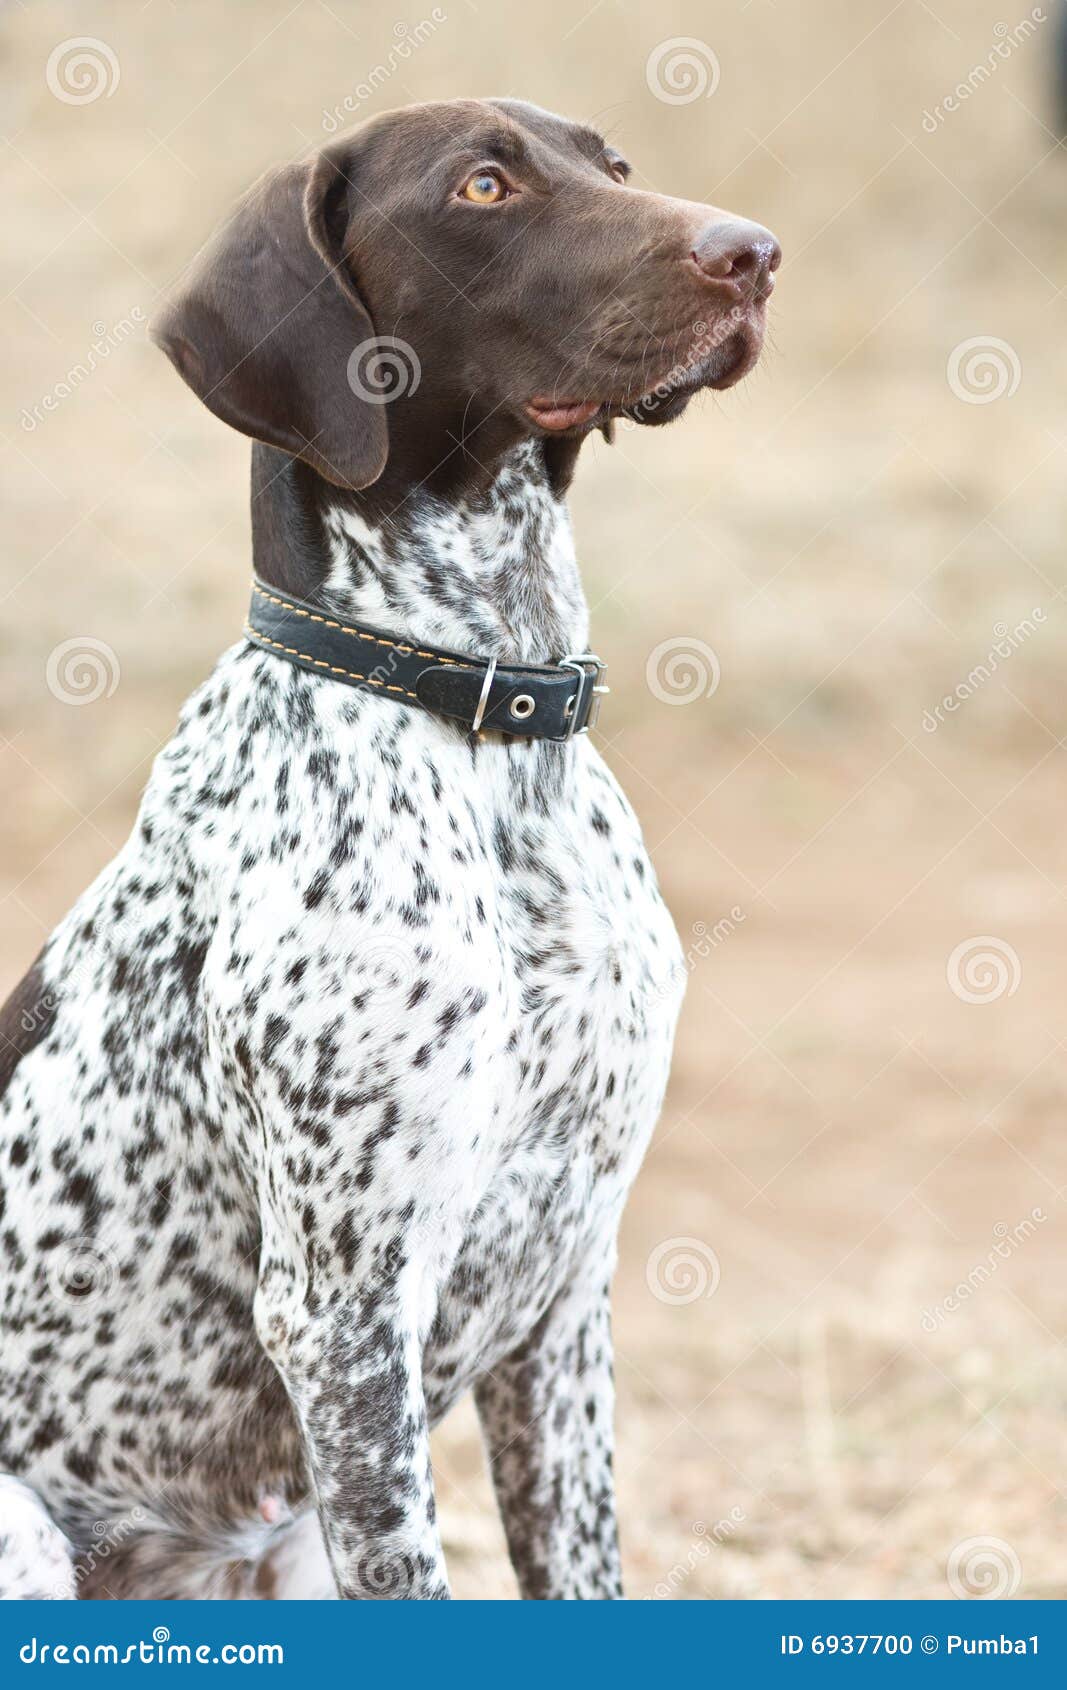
{"x":529,"y":701}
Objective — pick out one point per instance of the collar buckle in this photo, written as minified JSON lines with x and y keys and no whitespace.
{"x":483,"y":698}
{"x":588,"y":667}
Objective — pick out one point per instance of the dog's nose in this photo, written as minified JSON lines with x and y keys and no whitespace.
{"x":739,"y":252}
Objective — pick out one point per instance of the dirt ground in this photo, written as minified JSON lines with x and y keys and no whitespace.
{"x":840,"y":1313}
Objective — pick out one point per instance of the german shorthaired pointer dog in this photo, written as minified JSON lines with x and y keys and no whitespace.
{"x":321,"y":1106}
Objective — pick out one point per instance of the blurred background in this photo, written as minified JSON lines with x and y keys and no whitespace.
{"x":832,"y":604}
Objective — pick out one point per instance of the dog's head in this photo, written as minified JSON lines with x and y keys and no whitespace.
{"x":450,"y":264}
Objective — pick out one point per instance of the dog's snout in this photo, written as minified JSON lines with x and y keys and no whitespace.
{"x":740,"y":253}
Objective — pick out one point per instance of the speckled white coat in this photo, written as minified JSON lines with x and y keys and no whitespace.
{"x":328,"y":1097}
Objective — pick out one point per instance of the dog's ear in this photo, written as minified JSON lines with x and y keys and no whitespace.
{"x":264,"y":324}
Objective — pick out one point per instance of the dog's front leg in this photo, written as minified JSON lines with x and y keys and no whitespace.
{"x":547,"y":1412}
{"x":352,"y":1365}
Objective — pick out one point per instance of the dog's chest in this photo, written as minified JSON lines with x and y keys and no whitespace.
{"x":462,"y":957}
{"x":581,"y":969}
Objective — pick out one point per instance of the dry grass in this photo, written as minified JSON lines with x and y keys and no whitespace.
{"x":842,"y":1131}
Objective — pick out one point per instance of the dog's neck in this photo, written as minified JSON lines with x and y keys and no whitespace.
{"x":488,"y":569}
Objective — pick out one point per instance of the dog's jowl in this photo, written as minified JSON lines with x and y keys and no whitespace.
{"x":321,"y":1106}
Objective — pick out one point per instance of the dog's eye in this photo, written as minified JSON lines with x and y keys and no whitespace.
{"x":484,"y":188}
